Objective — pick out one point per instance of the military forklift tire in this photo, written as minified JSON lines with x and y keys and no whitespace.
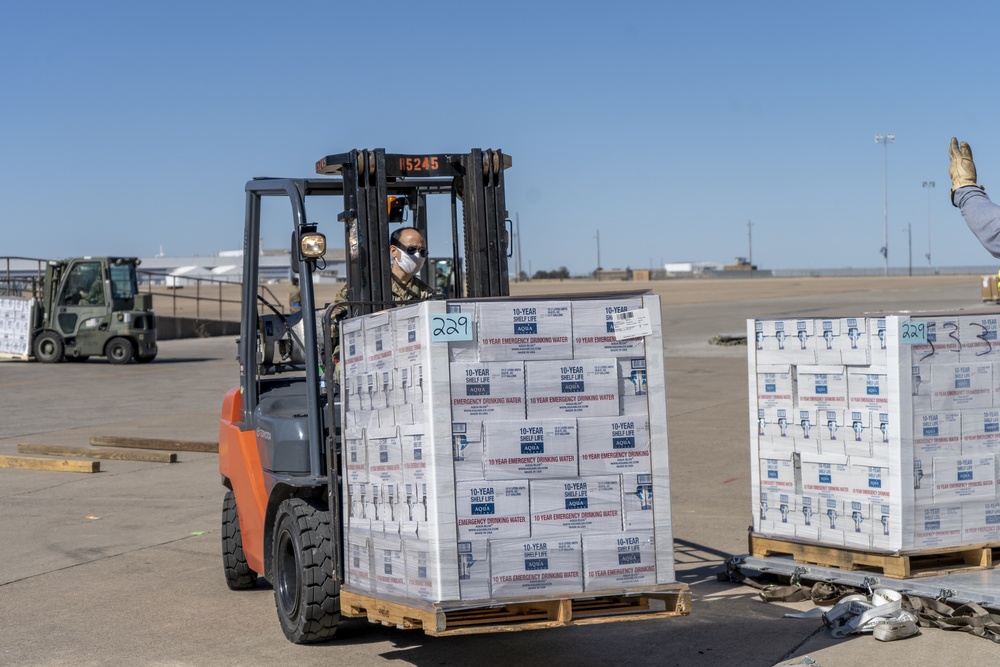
{"x":239,"y":576}
{"x":49,"y":347}
{"x":120,"y":350}
{"x":305,"y":592}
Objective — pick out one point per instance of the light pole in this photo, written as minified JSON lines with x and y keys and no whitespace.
{"x":909,"y":236}
{"x":750,"y":246}
{"x":929,"y":185}
{"x":885,"y":140}
{"x":598,"y":237}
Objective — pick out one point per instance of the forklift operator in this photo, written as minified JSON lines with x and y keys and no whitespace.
{"x":408,"y":250}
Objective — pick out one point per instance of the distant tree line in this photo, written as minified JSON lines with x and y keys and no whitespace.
{"x":561,"y":273}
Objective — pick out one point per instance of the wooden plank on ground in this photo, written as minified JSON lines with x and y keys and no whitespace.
{"x":155,"y":443}
{"x":60,"y":465}
{"x":91,"y":453}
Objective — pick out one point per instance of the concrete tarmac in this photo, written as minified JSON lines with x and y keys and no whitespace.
{"x":123,"y":567}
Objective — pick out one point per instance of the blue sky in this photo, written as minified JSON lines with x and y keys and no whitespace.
{"x":664,"y":127}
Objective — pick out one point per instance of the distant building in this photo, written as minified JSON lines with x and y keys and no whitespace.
{"x":692,"y":267}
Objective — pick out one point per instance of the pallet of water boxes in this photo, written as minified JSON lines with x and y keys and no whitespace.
{"x":876,"y":438}
{"x":16,"y":318}
{"x":505,"y":464}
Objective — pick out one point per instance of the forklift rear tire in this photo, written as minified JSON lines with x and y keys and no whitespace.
{"x":49,"y":347}
{"x":120,"y":350}
{"x":305,"y":593}
{"x":239,"y":576}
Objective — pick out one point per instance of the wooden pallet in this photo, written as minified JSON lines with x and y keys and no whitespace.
{"x":441,"y":621}
{"x":903,"y":565}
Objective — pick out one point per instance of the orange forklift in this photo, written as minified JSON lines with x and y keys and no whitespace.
{"x":280,"y":430}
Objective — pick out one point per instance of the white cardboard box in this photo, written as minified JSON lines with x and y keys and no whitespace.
{"x":492,"y":509}
{"x":826,"y":476}
{"x":414,"y":443}
{"x":822,"y":388}
{"x":352,"y":348}
{"x":583,"y":504}
{"x":493,"y":390}
{"x":536,"y":566}
{"x":786,"y":341}
{"x":776,"y":386}
{"x":355,"y":456}
{"x":980,"y":431}
{"x":937,"y":433}
{"x":426,"y":578}
{"x":530,"y":449}
{"x":871,"y":479}
{"x":937,"y":526}
{"x":981,"y":522}
{"x":474,"y":569}
{"x":962,"y":386}
{"x":613,"y":444}
{"x":385,"y":455}
{"x":777,"y":475}
{"x":594,"y":329}
{"x":618,"y":561}
{"x":378,"y":342}
{"x":359,"y":560}
{"x":524,"y":330}
{"x":467,"y":450}
{"x":828,"y":346}
{"x":943,"y":344}
{"x":389,"y":565}
{"x":633,"y":386}
{"x":978,"y":335}
{"x":575,"y":388}
{"x":855,"y":342}
{"x":962,"y":478}
{"x":637,"y":500}
{"x":868,"y":388}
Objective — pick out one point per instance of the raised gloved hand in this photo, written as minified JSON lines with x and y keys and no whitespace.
{"x":962,"y":169}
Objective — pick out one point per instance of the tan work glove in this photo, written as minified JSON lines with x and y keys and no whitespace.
{"x":962,"y":169}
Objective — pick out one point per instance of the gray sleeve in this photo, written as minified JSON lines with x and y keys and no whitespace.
{"x":981,"y":215}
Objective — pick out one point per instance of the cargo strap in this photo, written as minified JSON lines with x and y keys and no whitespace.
{"x":969,"y":617}
{"x":887,"y":614}
{"x":821,"y":593}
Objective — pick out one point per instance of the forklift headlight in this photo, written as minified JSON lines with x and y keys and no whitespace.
{"x":313,"y":245}
{"x":91,"y":323}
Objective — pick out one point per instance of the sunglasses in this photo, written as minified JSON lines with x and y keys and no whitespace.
{"x":412,"y":250}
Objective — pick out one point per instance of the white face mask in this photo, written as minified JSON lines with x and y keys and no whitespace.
{"x":409,"y":264}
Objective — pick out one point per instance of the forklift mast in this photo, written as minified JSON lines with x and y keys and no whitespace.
{"x":370,"y":177}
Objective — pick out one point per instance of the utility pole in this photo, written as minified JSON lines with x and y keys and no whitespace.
{"x":598,"y":237}
{"x":885,"y":140}
{"x":750,"y":246}
{"x":909,"y":236}
{"x":929,"y":186}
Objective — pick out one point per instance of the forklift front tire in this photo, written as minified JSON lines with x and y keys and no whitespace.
{"x":49,"y":347}
{"x":120,"y":350}
{"x":239,"y":576}
{"x":305,"y":592}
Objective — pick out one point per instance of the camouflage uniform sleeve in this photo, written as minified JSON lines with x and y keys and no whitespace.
{"x":338,"y":310}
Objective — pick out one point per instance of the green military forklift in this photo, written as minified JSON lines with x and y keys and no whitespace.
{"x":91,"y":306}
{"x":280,"y":432}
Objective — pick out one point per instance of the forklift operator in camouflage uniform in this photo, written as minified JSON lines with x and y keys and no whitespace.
{"x":408,"y":250}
